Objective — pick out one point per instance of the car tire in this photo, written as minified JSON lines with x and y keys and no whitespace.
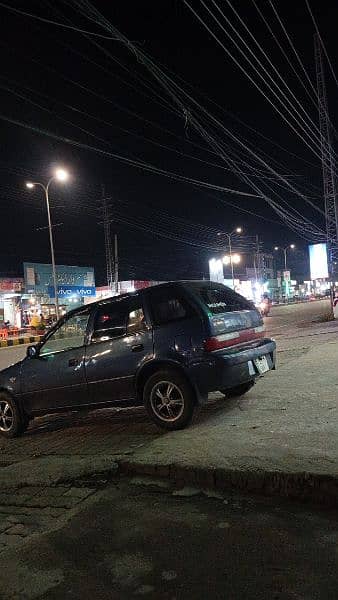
{"x":239,"y":390}
{"x":12,"y":422}
{"x":169,"y":399}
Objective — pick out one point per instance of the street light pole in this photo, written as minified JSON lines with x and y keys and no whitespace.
{"x":285,"y":250}
{"x":60,"y":175}
{"x":231,"y":261}
{"x":57,"y":311}
{"x":229,"y":235}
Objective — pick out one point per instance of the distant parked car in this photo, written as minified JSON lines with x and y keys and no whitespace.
{"x":165,"y":347}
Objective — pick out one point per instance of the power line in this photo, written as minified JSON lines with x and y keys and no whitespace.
{"x":293,"y":47}
{"x":257,"y":86}
{"x":290,"y":63}
{"x":276,"y":71}
{"x":322,"y":43}
{"x":26,"y":14}
{"x":167,"y":82}
{"x":136,"y":163}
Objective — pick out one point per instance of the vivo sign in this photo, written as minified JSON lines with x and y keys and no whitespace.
{"x":66,"y":291}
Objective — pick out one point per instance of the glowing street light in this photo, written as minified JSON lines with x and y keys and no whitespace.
{"x":285,"y":250}
{"x":236,"y":259}
{"x":62,"y":176}
{"x":231,"y":257}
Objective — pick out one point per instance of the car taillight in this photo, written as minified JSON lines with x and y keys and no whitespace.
{"x":227,"y":340}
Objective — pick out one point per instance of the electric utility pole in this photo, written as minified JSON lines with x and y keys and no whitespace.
{"x":107,"y":240}
{"x":116,"y":265}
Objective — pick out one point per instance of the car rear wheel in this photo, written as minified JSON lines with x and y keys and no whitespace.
{"x":169,"y":399}
{"x":239,"y":390}
{"x":12,"y":423}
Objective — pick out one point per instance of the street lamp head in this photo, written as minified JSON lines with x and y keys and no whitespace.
{"x":61,"y":175}
{"x":236,"y":259}
{"x":239,"y":229}
{"x":226,"y":259}
{"x":292,"y":246}
{"x":29,"y":185}
{"x":276,"y":248}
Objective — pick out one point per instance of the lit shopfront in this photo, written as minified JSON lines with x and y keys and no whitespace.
{"x":75,"y":287}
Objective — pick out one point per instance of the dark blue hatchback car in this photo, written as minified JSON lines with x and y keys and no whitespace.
{"x":165,"y":347}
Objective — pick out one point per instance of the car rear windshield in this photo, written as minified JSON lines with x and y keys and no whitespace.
{"x":221,"y":300}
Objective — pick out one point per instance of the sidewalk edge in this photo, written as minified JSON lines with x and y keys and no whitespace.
{"x":300,"y":486}
{"x":19,"y":341}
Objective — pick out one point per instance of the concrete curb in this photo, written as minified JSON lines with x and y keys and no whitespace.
{"x":19,"y":341}
{"x":302,"y":486}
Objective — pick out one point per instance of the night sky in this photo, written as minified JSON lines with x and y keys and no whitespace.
{"x":58,"y":81}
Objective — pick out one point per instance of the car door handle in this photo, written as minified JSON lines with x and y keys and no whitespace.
{"x":137,"y":348}
{"x":73,"y":362}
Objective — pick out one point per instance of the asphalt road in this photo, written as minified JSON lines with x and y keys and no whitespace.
{"x":9,"y":356}
{"x":289,"y":317}
{"x":130,"y":542}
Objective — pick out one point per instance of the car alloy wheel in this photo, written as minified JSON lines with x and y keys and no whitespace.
{"x":167,"y":401}
{"x":6,"y":416}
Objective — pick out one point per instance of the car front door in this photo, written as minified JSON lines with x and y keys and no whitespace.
{"x":120,"y":343}
{"x":55,"y":378}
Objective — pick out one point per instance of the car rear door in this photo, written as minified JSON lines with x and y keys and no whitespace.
{"x":178,"y":324}
{"x":121,"y":341}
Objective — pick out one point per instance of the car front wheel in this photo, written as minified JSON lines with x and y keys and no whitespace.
{"x":12,"y":423}
{"x":169,"y":399}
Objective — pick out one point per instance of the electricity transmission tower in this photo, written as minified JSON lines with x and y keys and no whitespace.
{"x":328,"y":161}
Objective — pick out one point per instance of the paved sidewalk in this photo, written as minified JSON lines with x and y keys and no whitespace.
{"x":280,"y":438}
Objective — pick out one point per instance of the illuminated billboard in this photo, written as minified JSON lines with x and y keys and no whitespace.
{"x":71,"y":281}
{"x":318,"y":261}
{"x":216,"y":270}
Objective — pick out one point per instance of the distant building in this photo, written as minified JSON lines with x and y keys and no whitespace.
{"x":124,"y":287}
{"x":262,"y":267}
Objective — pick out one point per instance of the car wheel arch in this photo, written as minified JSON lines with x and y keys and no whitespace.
{"x":17,"y":399}
{"x":152,"y":367}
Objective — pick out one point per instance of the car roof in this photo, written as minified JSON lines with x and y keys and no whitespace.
{"x":192,"y":283}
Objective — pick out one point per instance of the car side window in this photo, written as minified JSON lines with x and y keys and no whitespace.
{"x":71,"y":334}
{"x":110,"y":321}
{"x":136,"y":321}
{"x":167,"y":307}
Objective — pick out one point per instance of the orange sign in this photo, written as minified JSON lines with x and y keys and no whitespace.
{"x":11,"y":284}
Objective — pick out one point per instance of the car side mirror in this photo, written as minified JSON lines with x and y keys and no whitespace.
{"x":32,"y":351}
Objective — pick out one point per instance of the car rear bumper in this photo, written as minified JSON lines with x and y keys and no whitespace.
{"x":225,"y":369}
